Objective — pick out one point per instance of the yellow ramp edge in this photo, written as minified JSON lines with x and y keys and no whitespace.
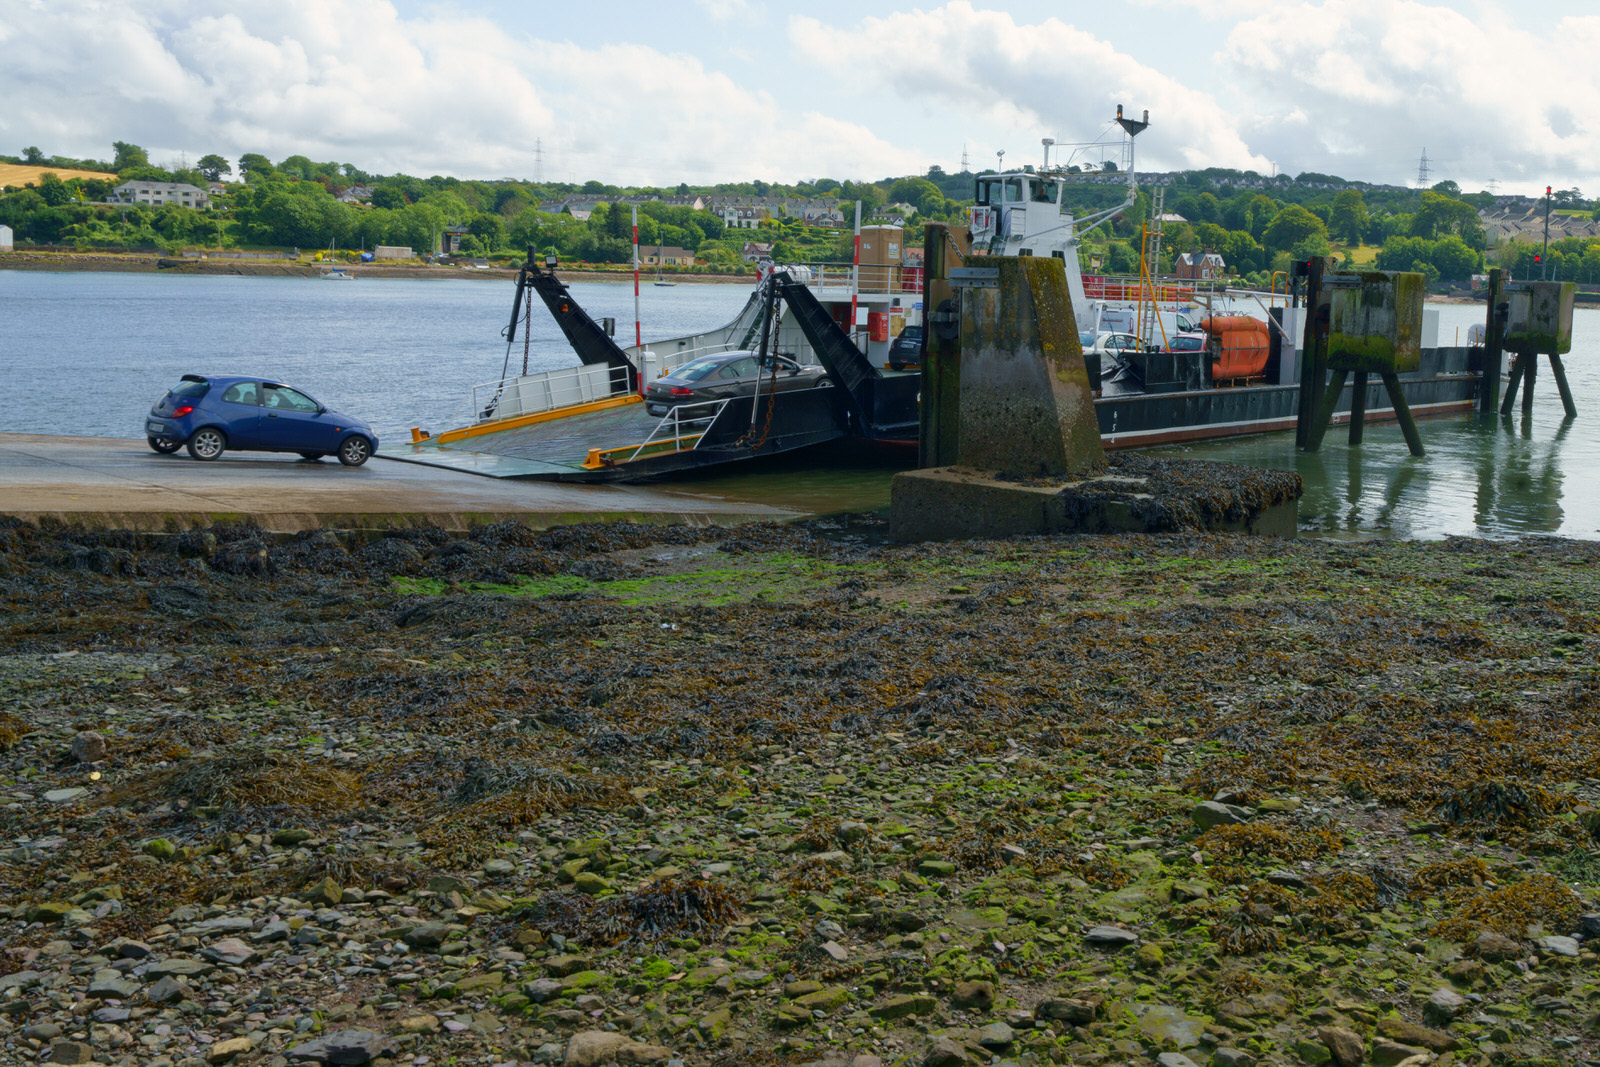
{"x":516,"y":421}
{"x":607,"y":457}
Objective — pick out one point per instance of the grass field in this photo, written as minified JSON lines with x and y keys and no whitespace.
{"x":17,"y":174}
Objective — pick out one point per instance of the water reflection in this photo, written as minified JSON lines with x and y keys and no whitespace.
{"x":1483,"y":475}
{"x":1521,"y":492}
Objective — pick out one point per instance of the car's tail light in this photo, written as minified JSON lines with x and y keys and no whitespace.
{"x":679,"y":391}
{"x":180,"y":412}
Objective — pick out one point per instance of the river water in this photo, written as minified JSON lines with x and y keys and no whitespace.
{"x":87,"y":353}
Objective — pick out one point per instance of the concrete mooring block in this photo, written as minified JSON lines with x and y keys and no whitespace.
{"x":1024,"y":400}
{"x":1134,"y":494}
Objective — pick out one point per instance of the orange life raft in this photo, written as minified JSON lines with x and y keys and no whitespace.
{"x":1241,"y":346}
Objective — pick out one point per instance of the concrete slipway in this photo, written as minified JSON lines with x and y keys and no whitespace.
{"x":120,"y":483}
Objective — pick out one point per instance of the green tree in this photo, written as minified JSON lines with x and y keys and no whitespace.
{"x":1258,"y":213}
{"x":419,"y":227}
{"x":1209,"y":237}
{"x":1454,"y":259}
{"x":53,"y":189}
{"x":451,"y":207}
{"x":1236,"y":212}
{"x":916,"y":192}
{"x":1291,"y":226}
{"x":32,"y":156}
{"x":1399,"y":253}
{"x":489,"y":229}
{"x":510,"y":201}
{"x":253,"y":166}
{"x":213,"y":167}
{"x":297,"y":167}
{"x":128,"y":155}
{"x":389,"y":197}
{"x":1121,"y":259}
{"x":1348,"y":219}
{"x":1589,"y":271}
{"x":1241,"y":252}
{"x":1440,"y":215}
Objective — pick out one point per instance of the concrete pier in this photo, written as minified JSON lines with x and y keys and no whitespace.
{"x":119,"y":483}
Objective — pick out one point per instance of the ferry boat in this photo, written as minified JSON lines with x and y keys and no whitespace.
{"x":585,"y":423}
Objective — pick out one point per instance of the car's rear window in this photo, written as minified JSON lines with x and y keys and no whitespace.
{"x":693,"y":372}
{"x":190,"y":388}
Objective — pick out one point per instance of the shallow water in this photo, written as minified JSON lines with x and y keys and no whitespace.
{"x":89,"y":352}
{"x":396,"y":352}
{"x":1483,"y":474}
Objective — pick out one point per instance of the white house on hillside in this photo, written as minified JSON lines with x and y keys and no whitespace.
{"x":157,"y":193}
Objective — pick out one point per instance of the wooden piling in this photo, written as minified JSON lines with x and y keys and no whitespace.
{"x":1529,"y":374}
{"x":1494,"y":335}
{"x":1402,"y":413}
{"x":1560,"y":373}
{"x":941,"y":356}
{"x":1313,"y":355}
{"x":1358,"y":407}
{"x":1322,"y":418}
{"x":1519,"y":366}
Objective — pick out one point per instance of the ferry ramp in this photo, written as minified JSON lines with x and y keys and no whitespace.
{"x":550,"y":448}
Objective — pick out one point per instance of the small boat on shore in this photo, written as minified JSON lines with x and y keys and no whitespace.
{"x":338,"y":274}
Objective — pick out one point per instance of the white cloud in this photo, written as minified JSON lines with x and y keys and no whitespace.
{"x":724,"y":10}
{"x":1014,"y":81}
{"x":1380,"y":80}
{"x":1354,"y":87}
{"x":353,"y":81}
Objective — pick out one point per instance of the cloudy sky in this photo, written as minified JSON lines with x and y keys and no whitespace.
{"x":728,"y":90}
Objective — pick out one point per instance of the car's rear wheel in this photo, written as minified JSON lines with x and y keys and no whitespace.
{"x":355,"y":450}
{"x":312,"y":455}
{"x":207,"y":443}
{"x":165,"y":445}
{"x":896,"y":366}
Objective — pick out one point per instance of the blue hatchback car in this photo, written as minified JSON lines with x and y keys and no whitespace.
{"x":212,"y":413}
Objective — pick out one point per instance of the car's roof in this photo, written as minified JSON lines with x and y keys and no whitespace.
{"x":722,"y":357}
{"x":229,"y":379}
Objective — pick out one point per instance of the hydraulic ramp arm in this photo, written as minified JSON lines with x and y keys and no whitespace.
{"x":835,"y":351}
{"x":876,"y":406}
{"x":592,"y":344}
